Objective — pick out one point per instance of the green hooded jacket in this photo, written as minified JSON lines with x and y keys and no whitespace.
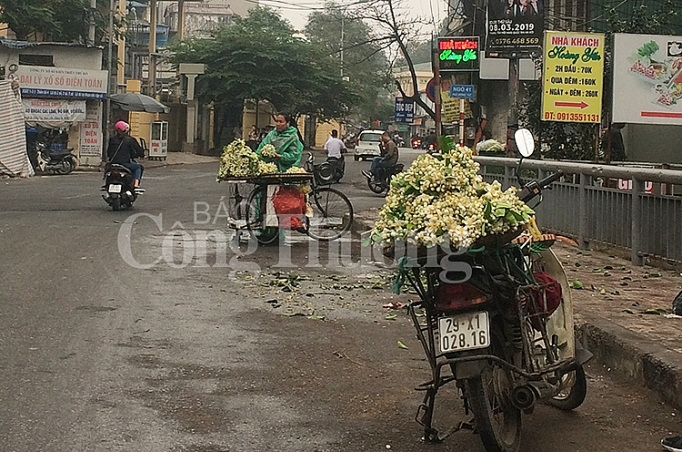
{"x":287,"y":145}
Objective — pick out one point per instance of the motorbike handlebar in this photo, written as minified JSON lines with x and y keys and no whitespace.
{"x":534,"y":188}
{"x":547,"y":181}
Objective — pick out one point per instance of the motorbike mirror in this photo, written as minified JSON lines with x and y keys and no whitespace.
{"x":525,"y":142}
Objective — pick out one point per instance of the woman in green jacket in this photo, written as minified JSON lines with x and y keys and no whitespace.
{"x":286,"y":142}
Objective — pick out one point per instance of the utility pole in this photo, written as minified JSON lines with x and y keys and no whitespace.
{"x":152,"y":48}
{"x":110,"y":57}
{"x":91,"y":28}
{"x":121,"y":67}
{"x":342,"y":39}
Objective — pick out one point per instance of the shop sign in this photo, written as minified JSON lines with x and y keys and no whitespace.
{"x":53,"y":111}
{"x":41,"y":81}
{"x":91,"y":131}
{"x":404,"y":110}
{"x":459,"y":53}
{"x":573,"y":77}
{"x":647,"y":79}
{"x":514,"y":27}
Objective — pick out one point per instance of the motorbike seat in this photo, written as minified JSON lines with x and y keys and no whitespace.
{"x":121,"y":168}
{"x":62,"y":153}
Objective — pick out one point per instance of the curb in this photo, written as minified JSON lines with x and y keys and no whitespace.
{"x":624,"y":352}
{"x":633,"y":357}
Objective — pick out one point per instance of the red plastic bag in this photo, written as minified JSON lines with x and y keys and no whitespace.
{"x":547,"y":304}
{"x":290,"y":207}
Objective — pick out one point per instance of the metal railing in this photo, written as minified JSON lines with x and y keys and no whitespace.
{"x":587,"y":204}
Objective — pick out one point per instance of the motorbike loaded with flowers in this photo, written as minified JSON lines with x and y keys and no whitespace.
{"x":495,"y":305}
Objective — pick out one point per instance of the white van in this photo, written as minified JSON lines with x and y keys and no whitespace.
{"x":367,"y":145}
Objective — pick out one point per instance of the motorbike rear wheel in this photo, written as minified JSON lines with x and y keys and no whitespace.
{"x":116,"y":204}
{"x":574,"y":394}
{"x":497,"y":421}
{"x":67,"y":166}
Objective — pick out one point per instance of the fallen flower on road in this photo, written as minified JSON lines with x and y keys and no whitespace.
{"x":393,"y":305}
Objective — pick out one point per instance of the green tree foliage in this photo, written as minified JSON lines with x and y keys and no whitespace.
{"x":260,"y":57}
{"x":364,"y":63}
{"x":53,"y":20}
{"x":577,"y":141}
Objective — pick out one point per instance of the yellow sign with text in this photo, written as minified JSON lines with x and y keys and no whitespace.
{"x":450,"y":108}
{"x":572,"y":77}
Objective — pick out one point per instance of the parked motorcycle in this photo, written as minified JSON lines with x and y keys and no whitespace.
{"x":416,"y":143}
{"x":118,"y":188}
{"x":500,"y":316}
{"x":326,"y":173}
{"x":381,"y":184}
{"x":430,"y":148}
{"x":53,"y":162}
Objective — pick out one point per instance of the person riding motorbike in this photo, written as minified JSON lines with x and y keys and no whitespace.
{"x":430,"y":140}
{"x":123,"y":150}
{"x":389,"y":157}
{"x":335,"y":149}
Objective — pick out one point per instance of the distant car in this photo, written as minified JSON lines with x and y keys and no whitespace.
{"x":367,"y":144}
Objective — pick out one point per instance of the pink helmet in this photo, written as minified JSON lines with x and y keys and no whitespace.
{"x":121,"y":126}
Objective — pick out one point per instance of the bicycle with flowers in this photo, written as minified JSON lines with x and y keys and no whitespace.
{"x":321,"y":212}
{"x":494,"y":303}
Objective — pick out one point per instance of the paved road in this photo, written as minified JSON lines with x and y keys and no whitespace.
{"x":100,"y":356}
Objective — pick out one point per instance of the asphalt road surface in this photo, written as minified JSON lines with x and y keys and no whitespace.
{"x":143,"y":331}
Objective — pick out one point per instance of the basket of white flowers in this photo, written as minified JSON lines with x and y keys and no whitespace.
{"x":238,"y":162}
{"x":442,"y":200}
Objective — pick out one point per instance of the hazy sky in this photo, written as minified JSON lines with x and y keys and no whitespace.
{"x":296,"y":11}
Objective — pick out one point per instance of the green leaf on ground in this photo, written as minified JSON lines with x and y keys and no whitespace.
{"x":401,"y":345}
{"x":577,"y":285}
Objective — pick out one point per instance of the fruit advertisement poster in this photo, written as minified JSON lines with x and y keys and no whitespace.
{"x":647,"y":79}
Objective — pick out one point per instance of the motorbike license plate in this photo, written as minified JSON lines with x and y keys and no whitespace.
{"x":464,"y":332}
{"x":114,"y":188}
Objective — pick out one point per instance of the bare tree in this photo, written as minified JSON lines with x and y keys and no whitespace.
{"x":393,"y":33}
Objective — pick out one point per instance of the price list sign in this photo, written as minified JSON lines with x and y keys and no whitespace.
{"x":572,"y":77}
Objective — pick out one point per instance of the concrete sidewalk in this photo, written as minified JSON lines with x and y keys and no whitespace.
{"x":180,"y":158}
{"x":623,"y":315}
{"x":172,"y":158}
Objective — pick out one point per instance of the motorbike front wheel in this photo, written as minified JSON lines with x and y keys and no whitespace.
{"x":574,"y":392}
{"x":497,"y":421}
{"x":376,"y":186}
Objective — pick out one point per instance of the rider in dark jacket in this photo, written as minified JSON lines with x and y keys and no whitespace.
{"x":124,"y":149}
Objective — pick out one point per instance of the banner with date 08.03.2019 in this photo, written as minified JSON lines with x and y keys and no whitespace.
{"x":572,"y":77}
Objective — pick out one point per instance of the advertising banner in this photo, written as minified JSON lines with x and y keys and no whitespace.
{"x":41,"y":81}
{"x":514,"y":27}
{"x":404,"y":110}
{"x":572,"y":77}
{"x":53,"y":113}
{"x":91,"y":132}
{"x":647,"y":79}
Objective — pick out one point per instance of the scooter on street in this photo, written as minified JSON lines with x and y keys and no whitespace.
{"x":54,"y":162}
{"x":118,"y":188}
{"x":499,"y":316}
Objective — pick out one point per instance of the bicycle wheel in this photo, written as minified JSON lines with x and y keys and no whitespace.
{"x":237,"y":204}
{"x":332,"y":214}
{"x":255,"y":217}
